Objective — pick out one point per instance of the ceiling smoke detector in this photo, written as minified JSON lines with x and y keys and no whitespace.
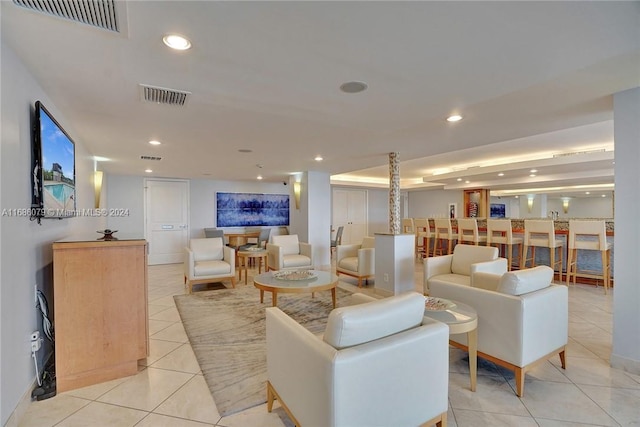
{"x":353,"y":87}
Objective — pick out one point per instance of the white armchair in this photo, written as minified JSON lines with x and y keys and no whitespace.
{"x":461,"y":264}
{"x":285,"y":251}
{"x":522,"y":317}
{"x":357,"y":260}
{"x":379,"y":364}
{"x":209,"y":260}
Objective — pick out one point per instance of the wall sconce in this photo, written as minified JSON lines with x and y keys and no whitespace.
{"x":565,"y":205}
{"x":296,"y":193}
{"x":97,"y":186}
{"x":530,"y":202}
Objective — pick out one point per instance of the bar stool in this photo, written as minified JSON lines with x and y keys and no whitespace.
{"x":590,"y":236}
{"x":443,"y":233}
{"x":407,"y":226}
{"x":468,"y":232}
{"x":541,"y":234}
{"x":423,"y":236}
{"x":499,"y":232}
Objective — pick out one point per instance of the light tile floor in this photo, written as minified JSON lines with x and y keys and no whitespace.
{"x":169,"y":389}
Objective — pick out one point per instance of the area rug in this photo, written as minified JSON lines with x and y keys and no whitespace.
{"x":226,"y":329}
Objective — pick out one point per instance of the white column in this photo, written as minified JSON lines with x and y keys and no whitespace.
{"x":312,"y":222}
{"x":626,"y":294}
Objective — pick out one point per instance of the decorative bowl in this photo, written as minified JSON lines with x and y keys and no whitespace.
{"x":294,"y":275}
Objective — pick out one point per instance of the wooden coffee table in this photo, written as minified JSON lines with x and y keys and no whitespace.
{"x":243,"y":261}
{"x":322,"y":281}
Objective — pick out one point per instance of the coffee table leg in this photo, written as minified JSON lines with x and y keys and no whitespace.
{"x":333,"y":296}
{"x":472,"y":338}
{"x":245,"y":272}
{"x":274,"y":298}
{"x":261,"y":296}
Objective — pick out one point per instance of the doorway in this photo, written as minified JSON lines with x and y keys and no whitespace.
{"x":166,"y":210}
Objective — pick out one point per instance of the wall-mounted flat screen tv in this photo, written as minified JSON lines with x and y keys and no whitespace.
{"x":53,"y":171}
{"x":251,"y":209}
{"x":497,"y":210}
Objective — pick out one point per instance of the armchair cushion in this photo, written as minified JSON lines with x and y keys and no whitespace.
{"x":289,"y":244}
{"x":207,"y":249}
{"x":295,"y":260}
{"x":525,"y":281}
{"x":355,"y":325}
{"x":211,"y":268}
{"x":464,"y":256}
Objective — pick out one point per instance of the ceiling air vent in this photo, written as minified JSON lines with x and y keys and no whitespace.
{"x":150,"y":158}
{"x":161,"y":95}
{"x":97,"y":13}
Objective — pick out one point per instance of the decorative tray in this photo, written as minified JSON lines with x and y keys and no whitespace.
{"x":254,"y":249}
{"x":294,"y":275}
{"x":438,"y":304}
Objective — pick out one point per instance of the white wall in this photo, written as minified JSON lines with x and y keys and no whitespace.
{"x":125,"y":191}
{"x":583,"y":207}
{"x":26,"y":254}
{"x":378,"y":211}
{"x":434,"y":203}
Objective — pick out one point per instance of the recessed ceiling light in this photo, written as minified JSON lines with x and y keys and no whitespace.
{"x":604,"y":195}
{"x":517,"y":197}
{"x":459,"y":179}
{"x":587,"y":192}
{"x":318,"y":158}
{"x":176,"y":41}
{"x":353,"y":87}
{"x":154,"y":142}
{"x":501,"y":174}
{"x":532,"y":175}
{"x":245,"y":150}
{"x":467,"y":182}
{"x":148,"y":170}
{"x":454,"y":118}
{"x":259,"y":177}
{"x":533,"y":170}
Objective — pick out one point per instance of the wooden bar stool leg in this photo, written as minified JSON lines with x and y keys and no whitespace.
{"x":605,"y":270}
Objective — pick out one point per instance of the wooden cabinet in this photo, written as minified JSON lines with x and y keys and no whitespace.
{"x":350,"y":211}
{"x":476,"y":203}
{"x":100,"y":310}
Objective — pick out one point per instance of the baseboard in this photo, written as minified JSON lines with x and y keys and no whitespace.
{"x":382,"y":292}
{"x":628,"y":365}
{"x":23,"y":404}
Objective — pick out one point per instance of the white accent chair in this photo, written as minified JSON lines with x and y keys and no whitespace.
{"x":461,"y":264}
{"x":208,"y":260}
{"x":285,"y":252}
{"x":357,"y":260}
{"x":522,"y":317}
{"x":379,"y":363}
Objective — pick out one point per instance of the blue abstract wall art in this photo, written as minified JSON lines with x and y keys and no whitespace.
{"x":251,"y":209}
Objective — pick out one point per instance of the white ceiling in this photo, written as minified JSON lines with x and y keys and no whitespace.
{"x":532,"y":80}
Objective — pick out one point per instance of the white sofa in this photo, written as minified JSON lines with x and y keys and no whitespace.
{"x":209,"y":260}
{"x":379,"y":363}
{"x":285,"y":252}
{"x":522,"y":317}
{"x":459,"y":266}
{"x":357,"y":260}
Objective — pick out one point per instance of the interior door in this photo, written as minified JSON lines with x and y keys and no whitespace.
{"x":350,"y":211}
{"x":167,"y":220}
